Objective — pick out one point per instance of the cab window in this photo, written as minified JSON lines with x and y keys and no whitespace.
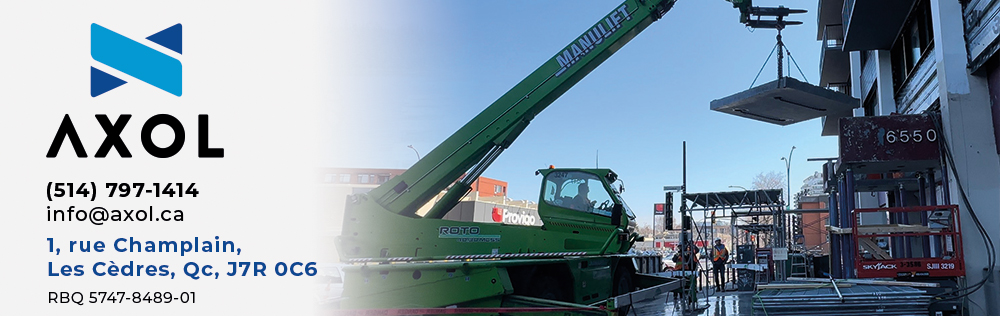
{"x":578,"y":191}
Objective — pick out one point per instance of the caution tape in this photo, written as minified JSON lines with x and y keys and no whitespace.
{"x":517,"y":255}
{"x":460,"y":310}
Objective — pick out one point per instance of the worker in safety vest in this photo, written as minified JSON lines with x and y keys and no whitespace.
{"x":686,"y":258}
{"x":720,"y":255}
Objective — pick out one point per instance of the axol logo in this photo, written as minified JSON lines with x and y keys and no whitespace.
{"x":135,"y":59}
{"x":145,"y":64}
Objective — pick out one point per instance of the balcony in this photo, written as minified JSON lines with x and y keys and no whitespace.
{"x":830,"y":12}
{"x":873,"y":24}
{"x":920,"y":89}
{"x":834,"y":62}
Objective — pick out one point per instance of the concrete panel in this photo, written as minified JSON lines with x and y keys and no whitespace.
{"x":785,"y":101}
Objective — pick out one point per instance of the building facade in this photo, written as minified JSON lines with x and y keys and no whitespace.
{"x":815,"y":236}
{"x":930,"y":56}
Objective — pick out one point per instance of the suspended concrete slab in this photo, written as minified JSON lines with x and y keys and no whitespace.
{"x":786,"y":101}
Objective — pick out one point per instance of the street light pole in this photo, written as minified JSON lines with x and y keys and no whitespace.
{"x":414,"y":151}
{"x":788,"y":177}
{"x":788,"y":202}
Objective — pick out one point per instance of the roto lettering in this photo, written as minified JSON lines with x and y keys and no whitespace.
{"x":465,"y":234}
{"x":457,"y":231}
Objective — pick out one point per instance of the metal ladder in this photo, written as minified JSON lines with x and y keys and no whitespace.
{"x":800,"y":265}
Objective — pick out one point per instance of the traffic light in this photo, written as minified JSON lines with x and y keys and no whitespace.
{"x":796,"y":225}
{"x":668,"y":212}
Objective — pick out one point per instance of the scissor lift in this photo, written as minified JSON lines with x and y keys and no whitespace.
{"x":931,"y":247}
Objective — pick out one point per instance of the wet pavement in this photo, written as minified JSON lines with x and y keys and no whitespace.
{"x":719,"y":304}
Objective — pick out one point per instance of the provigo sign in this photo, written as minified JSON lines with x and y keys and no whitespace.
{"x":506,"y":216}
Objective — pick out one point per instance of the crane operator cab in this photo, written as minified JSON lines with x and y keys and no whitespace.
{"x":584,"y":195}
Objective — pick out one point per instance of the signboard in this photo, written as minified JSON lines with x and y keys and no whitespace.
{"x":512,"y":215}
{"x":876,"y":144}
{"x":780,"y":254}
{"x":659,"y":209}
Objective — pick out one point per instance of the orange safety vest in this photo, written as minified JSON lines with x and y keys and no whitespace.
{"x":682,"y":264}
{"x":720,"y":253}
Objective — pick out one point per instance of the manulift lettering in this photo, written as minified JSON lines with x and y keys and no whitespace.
{"x":595,"y":36}
{"x":113,"y":138}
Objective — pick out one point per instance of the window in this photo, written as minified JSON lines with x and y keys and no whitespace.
{"x":578,"y":191}
{"x":364,"y":178}
{"x":383,"y":178}
{"x":345,"y":178}
{"x":871,"y":102}
{"x":914,"y":40}
{"x":330,"y":177}
{"x":498,"y":189}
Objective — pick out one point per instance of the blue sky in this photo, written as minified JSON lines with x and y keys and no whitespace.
{"x":411,"y":73}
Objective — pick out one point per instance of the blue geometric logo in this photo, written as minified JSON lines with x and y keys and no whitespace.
{"x":135,"y":59}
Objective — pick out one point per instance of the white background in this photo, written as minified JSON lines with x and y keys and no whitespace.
{"x":252,"y":66}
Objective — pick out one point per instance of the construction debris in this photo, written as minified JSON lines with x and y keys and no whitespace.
{"x":860,"y":299}
{"x":867,"y":281}
{"x":778,"y":286}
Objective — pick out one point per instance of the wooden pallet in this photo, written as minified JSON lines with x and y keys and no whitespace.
{"x":893,"y":228}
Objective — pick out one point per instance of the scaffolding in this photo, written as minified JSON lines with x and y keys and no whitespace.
{"x":756,"y":218}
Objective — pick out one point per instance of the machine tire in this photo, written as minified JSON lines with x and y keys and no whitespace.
{"x":548,"y":287}
{"x":622,"y":285}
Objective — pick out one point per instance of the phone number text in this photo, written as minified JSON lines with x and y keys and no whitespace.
{"x":89,"y":190}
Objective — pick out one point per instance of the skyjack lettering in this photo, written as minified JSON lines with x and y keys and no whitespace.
{"x":879,"y":266}
{"x":595,"y":36}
